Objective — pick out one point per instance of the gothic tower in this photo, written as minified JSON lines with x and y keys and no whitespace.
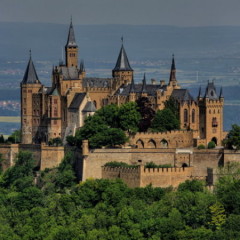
{"x":172,"y":78}
{"x":71,"y":49}
{"x":211,"y":114}
{"x":30,"y":104}
{"x":122,"y":72}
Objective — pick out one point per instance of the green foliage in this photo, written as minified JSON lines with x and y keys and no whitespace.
{"x":218,"y":216}
{"x":201,"y":146}
{"x":119,"y":164}
{"x":15,"y":137}
{"x":2,"y":139}
{"x":233,"y":138}
{"x":211,"y":145}
{"x":192,"y":186}
{"x":172,"y":105}
{"x":165,"y":120}
{"x":154,"y":165}
{"x":55,"y":142}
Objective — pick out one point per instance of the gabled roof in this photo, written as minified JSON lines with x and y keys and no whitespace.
{"x":71,"y":42}
{"x":90,"y":107}
{"x":69,"y":73}
{"x":122,"y":61}
{"x":182,"y":95}
{"x":77,"y":100}
{"x":30,"y":76}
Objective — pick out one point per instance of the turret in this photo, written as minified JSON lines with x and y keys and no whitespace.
{"x":122,"y":71}
{"x":172,"y":78}
{"x":30,"y":110}
{"x":71,"y":48}
{"x":144,"y":86}
{"x":132,"y":93}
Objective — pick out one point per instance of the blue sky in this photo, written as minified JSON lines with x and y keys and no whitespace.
{"x":162,"y":12}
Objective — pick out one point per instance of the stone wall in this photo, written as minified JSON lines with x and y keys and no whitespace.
{"x":141,"y":177}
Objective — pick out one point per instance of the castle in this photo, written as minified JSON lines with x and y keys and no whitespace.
{"x":58,"y":110}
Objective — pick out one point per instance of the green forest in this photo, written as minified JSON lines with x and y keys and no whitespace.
{"x":55,"y":206}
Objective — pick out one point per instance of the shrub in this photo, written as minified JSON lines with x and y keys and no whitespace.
{"x":119,"y":164}
{"x":201,"y":146}
{"x":211,"y":145}
{"x":154,"y":165}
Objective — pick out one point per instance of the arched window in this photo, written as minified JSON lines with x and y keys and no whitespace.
{"x":185,"y":115}
{"x":193,"y":116}
{"x":151,"y":144}
{"x":140,"y":143}
{"x":95,"y":103}
{"x":55,"y":113}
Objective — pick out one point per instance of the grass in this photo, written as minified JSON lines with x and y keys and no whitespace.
{"x":10,"y":119}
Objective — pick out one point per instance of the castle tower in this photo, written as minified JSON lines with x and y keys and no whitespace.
{"x":211,"y":114}
{"x":122,"y":71}
{"x":144,"y":87}
{"x":30,"y":103}
{"x":132,"y":93}
{"x":54,"y":115}
{"x":82,"y":71}
{"x":71,"y":49}
{"x":172,"y":78}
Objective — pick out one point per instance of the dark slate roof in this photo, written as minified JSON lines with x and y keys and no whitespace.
{"x":90,"y":107}
{"x":144,"y":90}
{"x":150,"y":89}
{"x":30,"y":76}
{"x":122,"y":61}
{"x":211,"y":91}
{"x":77,"y":100}
{"x":132,"y":86}
{"x":82,"y":67}
{"x":221,"y":93}
{"x":69,"y":73}
{"x":97,"y":82}
{"x":54,"y":92}
{"x":200,"y":92}
{"x":182,"y":95}
{"x":71,"y":42}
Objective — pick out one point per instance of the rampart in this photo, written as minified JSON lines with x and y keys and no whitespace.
{"x":171,"y":139}
{"x":141,"y":176}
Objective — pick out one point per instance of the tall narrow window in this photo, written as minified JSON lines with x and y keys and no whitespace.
{"x":214,"y":122}
{"x":185,"y":115}
{"x":55,"y":113}
{"x":193,"y":116}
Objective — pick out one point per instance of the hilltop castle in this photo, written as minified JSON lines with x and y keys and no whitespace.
{"x":58,"y":110}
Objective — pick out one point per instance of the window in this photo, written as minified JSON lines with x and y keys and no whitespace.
{"x":24,"y":121}
{"x":214,"y":122}
{"x":185,"y":115}
{"x":193,"y":116}
{"x":38,"y":112}
{"x":210,"y":112}
{"x":29,"y":91}
{"x":55,"y":113}
{"x":55,"y":101}
{"x":24,"y":100}
{"x":37,"y":121}
{"x":24,"y":111}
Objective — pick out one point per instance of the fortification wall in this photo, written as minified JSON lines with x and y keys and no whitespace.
{"x":231,"y":156}
{"x":51,"y":156}
{"x":97,"y":158}
{"x":141,"y":177}
{"x":8,"y":153}
{"x":206,"y":158}
{"x":172,"y":139}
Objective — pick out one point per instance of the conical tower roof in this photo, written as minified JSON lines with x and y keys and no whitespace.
{"x":132,"y":87}
{"x":173,"y":70}
{"x":122,"y":61}
{"x":71,"y":42}
{"x":144,"y":90}
{"x":30,"y":76}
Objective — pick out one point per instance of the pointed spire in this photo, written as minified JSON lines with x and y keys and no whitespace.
{"x":71,"y":42}
{"x":173,"y":70}
{"x":122,"y":61}
{"x":81,"y":68}
{"x":144,"y":90}
{"x":200,"y":92}
{"x":221,"y":93}
{"x":132,"y":86}
{"x":30,"y":76}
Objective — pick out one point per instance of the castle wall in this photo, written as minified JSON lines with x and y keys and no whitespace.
{"x":231,"y":156}
{"x":141,"y":177}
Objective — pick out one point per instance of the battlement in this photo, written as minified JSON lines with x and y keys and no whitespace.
{"x":141,"y":176}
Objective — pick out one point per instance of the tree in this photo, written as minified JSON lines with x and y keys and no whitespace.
{"x":15,"y":137}
{"x":211,"y":145}
{"x":218,"y":216}
{"x":2,"y":139}
{"x":129,"y":117}
{"x":233,"y":138}
{"x":164,"y":120}
{"x":147,"y":113}
{"x":172,"y":105}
